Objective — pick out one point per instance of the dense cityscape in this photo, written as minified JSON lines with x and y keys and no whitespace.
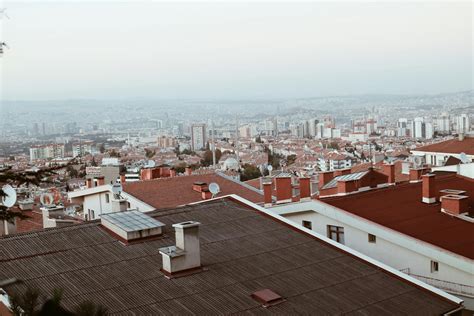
{"x":329,"y":205}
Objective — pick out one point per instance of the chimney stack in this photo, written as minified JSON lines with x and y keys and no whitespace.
{"x":461,"y":137}
{"x":429,"y":188}
{"x":305,"y":188}
{"x":89,"y":183}
{"x":284,"y":189}
{"x":186,"y":254}
{"x":415,"y":175}
{"x":325,"y":177}
{"x":100,"y":180}
{"x":172,"y":173}
{"x":122,"y":178}
{"x":389,"y":170}
{"x":454,"y":204}
{"x":267,"y":193}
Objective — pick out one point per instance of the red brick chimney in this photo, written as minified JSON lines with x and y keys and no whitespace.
{"x":100,"y":181}
{"x":89,"y":182}
{"x":344,"y":187}
{"x":389,"y":170}
{"x":267,"y":193}
{"x":415,"y":175}
{"x":325,"y":177}
{"x":206,"y":194}
{"x":122,"y":178}
{"x":284,"y":190}
{"x":172,"y":173}
{"x":429,"y":188}
{"x":454,"y":204}
{"x":305,"y":188}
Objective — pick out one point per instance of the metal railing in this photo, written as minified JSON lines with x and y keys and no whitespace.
{"x":451,"y":287}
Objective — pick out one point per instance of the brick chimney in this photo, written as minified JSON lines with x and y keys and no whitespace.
{"x":454,"y":204}
{"x":284,"y":190}
{"x":415,"y":175}
{"x":206,"y":194}
{"x":100,"y":180}
{"x":344,"y":187}
{"x":172,"y":173}
{"x":325,"y":177}
{"x":267,"y":193}
{"x":389,"y":170}
{"x":89,"y":182}
{"x":186,"y":254}
{"x":122,"y":178}
{"x":305,"y":188}
{"x":200,"y":186}
{"x":429,"y":188}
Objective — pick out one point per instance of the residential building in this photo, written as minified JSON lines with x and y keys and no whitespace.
{"x":438,"y":153}
{"x":49,"y":151}
{"x":463,"y":124}
{"x":226,"y":256}
{"x":198,"y":136}
{"x":422,"y":227}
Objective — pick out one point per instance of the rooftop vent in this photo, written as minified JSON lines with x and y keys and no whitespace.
{"x":131,"y":225}
{"x":454,"y":204}
{"x":267,"y":297}
{"x":185,"y":256}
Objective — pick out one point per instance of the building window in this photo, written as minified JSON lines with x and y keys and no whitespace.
{"x":336,"y":233}
{"x":372,"y":238}
{"x":92,"y":214}
{"x":308,"y":224}
{"x":434,"y":266}
{"x":107,"y":199}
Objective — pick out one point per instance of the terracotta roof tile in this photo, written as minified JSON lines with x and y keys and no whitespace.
{"x":400,"y":208}
{"x":172,"y":192}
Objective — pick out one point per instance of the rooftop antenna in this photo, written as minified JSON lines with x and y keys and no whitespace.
{"x":214,"y":189}
{"x":3,"y":13}
{"x":270,"y":168}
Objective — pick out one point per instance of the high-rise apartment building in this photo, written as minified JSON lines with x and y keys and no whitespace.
{"x":198,"y":136}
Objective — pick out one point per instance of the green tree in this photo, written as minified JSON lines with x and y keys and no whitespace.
{"x":149,"y":153}
{"x":249,"y":172}
{"x":207,"y":158}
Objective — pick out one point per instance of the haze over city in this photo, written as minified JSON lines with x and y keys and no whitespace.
{"x":310,"y":158}
{"x":235,"y":50}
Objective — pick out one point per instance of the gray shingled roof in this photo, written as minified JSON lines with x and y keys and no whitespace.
{"x":242,"y":250}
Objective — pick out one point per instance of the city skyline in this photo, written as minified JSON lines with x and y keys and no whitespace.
{"x":234,"y":51}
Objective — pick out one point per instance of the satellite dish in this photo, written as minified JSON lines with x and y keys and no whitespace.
{"x":463,"y":157}
{"x":270,"y":168}
{"x":214,"y":188}
{"x":46,"y":199}
{"x":10,"y":199}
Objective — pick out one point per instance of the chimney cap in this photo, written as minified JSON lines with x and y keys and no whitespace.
{"x":187,"y":224}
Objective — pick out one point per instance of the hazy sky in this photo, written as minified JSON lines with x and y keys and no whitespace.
{"x":240,"y":50}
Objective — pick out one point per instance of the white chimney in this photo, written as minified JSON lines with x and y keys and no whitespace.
{"x":186,"y":254}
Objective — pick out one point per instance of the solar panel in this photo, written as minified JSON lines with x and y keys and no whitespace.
{"x":131,"y":221}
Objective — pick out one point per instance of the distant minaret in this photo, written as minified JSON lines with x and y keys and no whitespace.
{"x":213,"y":145}
{"x":237,"y":140}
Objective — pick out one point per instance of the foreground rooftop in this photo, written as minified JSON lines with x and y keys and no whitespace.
{"x":243,"y":250}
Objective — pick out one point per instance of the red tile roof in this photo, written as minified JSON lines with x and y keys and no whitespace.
{"x":399,"y":176}
{"x":400,"y":208}
{"x":172,"y":192}
{"x":452,"y":146}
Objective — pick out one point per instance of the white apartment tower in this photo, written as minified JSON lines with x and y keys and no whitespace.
{"x":462,"y":123}
{"x":198,"y":136}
